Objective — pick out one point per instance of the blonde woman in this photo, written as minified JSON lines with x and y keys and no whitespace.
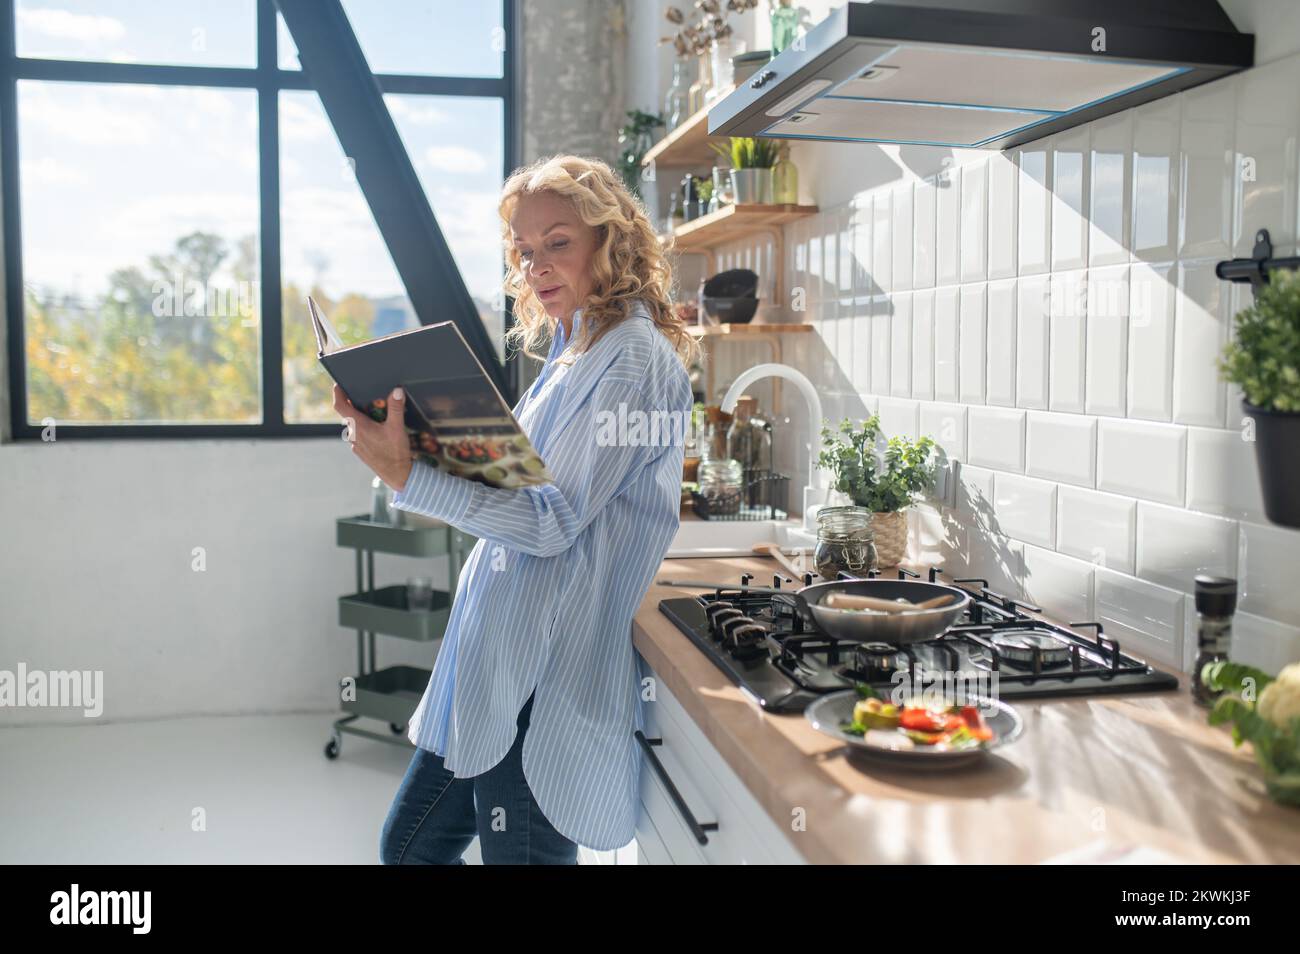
{"x":524,"y":736}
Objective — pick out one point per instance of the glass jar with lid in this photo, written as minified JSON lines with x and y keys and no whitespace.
{"x":845,"y":542}
{"x":721,"y":485}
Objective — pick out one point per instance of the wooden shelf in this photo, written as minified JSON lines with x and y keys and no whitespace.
{"x":702,"y":331}
{"x":733,"y":223}
{"x":687,"y":146}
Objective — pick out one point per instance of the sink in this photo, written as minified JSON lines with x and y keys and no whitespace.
{"x":715,"y":538}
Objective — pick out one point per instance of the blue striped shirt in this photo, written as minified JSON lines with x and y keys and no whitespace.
{"x":546,"y":597}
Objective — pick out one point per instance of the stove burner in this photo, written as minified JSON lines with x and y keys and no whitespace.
{"x":877,"y":662}
{"x":1020,"y":647}
{"x":765,"y":646}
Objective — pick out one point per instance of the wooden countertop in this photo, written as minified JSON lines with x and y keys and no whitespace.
{"x":1140,"y":769}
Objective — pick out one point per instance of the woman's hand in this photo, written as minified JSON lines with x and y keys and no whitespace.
{"x":385,"y":447}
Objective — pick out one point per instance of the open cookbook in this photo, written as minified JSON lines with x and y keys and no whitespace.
{"x":455,"y":418}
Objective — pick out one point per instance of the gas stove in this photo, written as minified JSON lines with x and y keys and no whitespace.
{"x":767,"y":649}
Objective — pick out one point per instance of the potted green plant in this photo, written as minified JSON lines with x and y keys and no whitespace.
{"x":751,"y":168}
{"x":1266,"y":712}
{"x":886,"y":483}
{"x":1263,"y":359}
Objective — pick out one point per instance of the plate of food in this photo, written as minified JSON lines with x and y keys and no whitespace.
{"x":916,"y":732}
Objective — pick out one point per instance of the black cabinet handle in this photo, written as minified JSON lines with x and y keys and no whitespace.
{"x":698,"y":829}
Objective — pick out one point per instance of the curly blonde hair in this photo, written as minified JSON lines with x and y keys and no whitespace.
{"x":628,"y":264}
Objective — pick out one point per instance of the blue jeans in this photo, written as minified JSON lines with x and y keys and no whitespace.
{"x":435,"y":815}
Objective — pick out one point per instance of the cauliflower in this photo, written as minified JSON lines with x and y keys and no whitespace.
{"x":1279,"y":703}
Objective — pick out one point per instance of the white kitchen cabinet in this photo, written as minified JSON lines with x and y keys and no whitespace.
{"x":711,"y":791}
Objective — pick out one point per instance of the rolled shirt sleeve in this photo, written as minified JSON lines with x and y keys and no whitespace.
{"x":592,"y":459}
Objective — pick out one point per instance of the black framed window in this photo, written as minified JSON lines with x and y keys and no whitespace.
{"x":173,"y":189}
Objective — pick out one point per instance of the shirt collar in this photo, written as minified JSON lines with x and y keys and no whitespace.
{"x":561,"y":342}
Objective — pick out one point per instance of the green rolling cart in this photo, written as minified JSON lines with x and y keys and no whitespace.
{"x":391,"y":694}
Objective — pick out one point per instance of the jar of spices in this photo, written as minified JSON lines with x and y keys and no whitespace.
{"x":845,"y":542}
{"x":721,"y":485}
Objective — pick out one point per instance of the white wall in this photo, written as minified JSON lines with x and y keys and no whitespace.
{"x":1095,"y":462}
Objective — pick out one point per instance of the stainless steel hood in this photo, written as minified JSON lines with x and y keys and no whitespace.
{"x":980,"y":73}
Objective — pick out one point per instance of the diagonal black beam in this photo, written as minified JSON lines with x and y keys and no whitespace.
{"x":332,"y":59}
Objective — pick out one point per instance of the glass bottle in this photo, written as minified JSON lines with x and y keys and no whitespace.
{"x":1216,"y":601}
{"x":721,"y":482}
{"x":677,"y":100}
{"x":845,"y":542}
{"x":740,"y":435}
{"x":785,"y":24}
{"x":785,"y":178}
{"x":697,"y":95}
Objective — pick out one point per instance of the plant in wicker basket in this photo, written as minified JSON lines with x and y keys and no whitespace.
{"x":884,"y":476}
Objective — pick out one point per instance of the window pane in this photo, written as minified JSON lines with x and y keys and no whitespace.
{"x":286,"y":51}
{"x":139,"y":248}
{"x":172,"y":32}
{"x":429,"y":37}
{"x":330,"y":249}
{"x":456,"y":146}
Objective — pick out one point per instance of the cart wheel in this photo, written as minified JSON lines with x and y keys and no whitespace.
{"x":396,"y":729}
{"x":332,"y":748}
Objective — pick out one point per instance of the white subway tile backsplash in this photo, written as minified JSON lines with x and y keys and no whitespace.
{"x":1146,"y":619}
{"x":1070,"y":175}
{"x":1062,"y":586}
{"x":882,"y":356}
{"x":860,"y":330}
{"x":861,"y":217}
{"x":904,"y":241}
{"x":1267,"y":583}
{"x":1174,"y":545}
{"x":946,"y":423}
{"x":882,"y":240}
{"x":975,"y":498}
{"x":948,"y":227}
{"x":1068,"y":348}
{"x":1265,"y":161}
{"x":898,"y":418}
{"x":1156,"y":170}
{"x":997,"y":559}
{"x":1032,"y":340}
{"x":1000,"y":381}
{"x":1002,"y":178}
{"x":923,"y":249}
{"x":1205,"y":200}
{"x":974,"y":221}
{"x":923,"y":344}
{"x":1200,"y":331}
{"x":1151,"y":342}
{"x":1256,"y":641}
{"x":900,"y":345}
{"x":1061,"y":447}
{"x":996,"y":438}
{"x":1222,"y":476}
{"x":972,"y":349}
{"x":1034,"y":209}
{"x":1142,"y":460}
{"x":1099,"y":528}
{"x":1106,"y":364}
{"x":945,"y":343}
{"x":1110,"y":189}
{"x":1026,"y":508}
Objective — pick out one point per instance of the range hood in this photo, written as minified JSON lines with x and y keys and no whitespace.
{"x":986,"y":74}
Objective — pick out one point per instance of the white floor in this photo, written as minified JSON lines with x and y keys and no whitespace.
{"x":127,"y":793}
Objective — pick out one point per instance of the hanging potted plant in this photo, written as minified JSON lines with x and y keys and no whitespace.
{"x":751,"y":168}
{"x":1263,"y":359}
{"x":885,"y":482}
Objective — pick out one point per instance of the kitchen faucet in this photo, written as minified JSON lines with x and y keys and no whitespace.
{"x":812,"y":494}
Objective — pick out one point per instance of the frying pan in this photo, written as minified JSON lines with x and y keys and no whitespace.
{"x":880,"y":626}
{"x":867,"y":626}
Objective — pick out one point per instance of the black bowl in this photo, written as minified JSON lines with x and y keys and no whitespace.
{"x":734,"y":311}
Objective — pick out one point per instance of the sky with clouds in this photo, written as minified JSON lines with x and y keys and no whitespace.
{"x":112,"y":173}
